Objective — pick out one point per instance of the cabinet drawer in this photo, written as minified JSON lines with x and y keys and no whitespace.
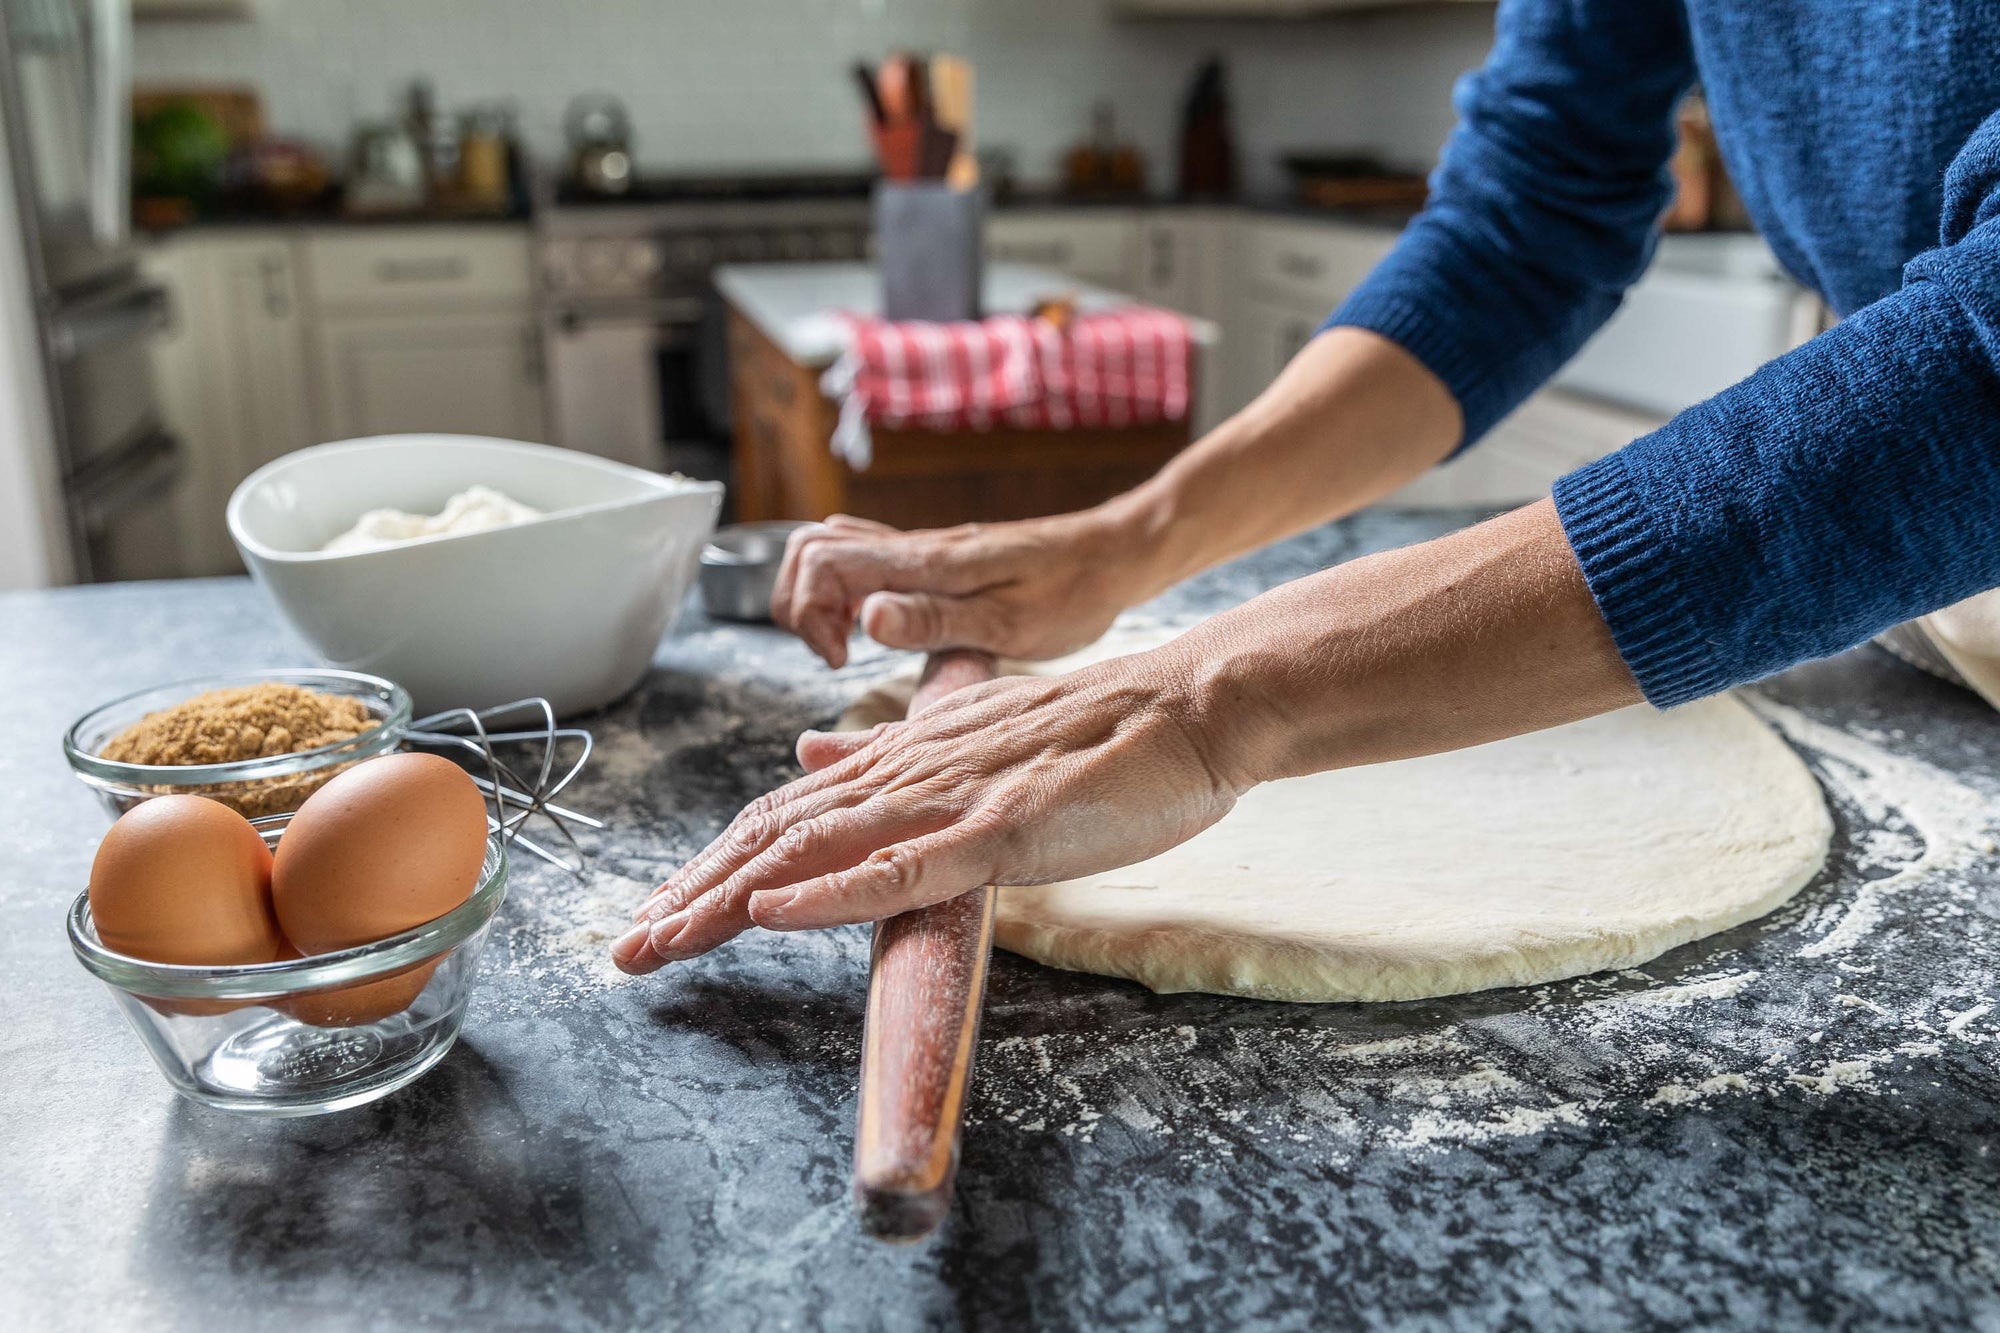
{"x":1310,"y":264}
{"x":418,"y":265}
{"x":1551,"y":434}
{"x":1096,"y":246}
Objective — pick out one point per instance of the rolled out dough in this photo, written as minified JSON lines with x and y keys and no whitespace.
{"x":1597,"y":845}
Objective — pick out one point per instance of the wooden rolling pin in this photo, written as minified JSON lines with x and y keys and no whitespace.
{"x":926,"y":985}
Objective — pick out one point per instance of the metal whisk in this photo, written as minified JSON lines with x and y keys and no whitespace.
{"x":515,"y":801}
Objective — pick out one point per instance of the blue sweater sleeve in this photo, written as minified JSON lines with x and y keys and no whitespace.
{"x":1852,"y":484}
{"x":1544,"y":204}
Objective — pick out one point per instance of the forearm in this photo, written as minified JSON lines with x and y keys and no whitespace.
{"x":1483,"y":634}
{"x":1474,"y":636}
{"x":1352,"y":418}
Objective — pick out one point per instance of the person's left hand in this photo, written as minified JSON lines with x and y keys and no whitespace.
{"x":1025,"y":780}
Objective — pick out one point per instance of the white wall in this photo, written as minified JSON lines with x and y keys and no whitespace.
{"x":727,"y":83}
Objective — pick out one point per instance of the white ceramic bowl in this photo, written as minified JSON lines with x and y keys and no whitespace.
{"x":569,"y":606}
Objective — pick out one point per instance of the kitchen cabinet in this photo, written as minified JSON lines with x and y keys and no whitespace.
{"x":1098,"y":245}
{"x":1310,"y":265}
{"x":458,"y":372}
{"x":285,"y":337}
{"x":1178,"y":263}
{"x":1553,"y":433}
{"x":1174,"y":259}
{"x":1283,"y":278}
{"x":1288,"y":275}
{"x":231,"y":371}
{"x":423,"y":329}
{"x":1259,"y":339}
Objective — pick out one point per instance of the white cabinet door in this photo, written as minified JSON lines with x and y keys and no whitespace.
{"x":1259,"y":339}
{"x":1311,"y":264}
{"x":1180,"y":257}
{"x":1282,"y":278}
{"x":1551,"y":434}
{"x":1095,"y":244}
{"x":231,"y":370}
{"x":261,"y":301}
{"x":466,"y":373}
{"x":1178,"y":264}
{"x":1168,"y":251}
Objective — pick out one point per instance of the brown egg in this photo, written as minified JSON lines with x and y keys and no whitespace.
{"x":369,"y":1002}
{"x":386,"y":846}
{"x":352,"y":1006}
{"x":183,"y":879}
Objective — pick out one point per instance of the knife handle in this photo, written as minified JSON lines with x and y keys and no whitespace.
{"x":926,"y":985}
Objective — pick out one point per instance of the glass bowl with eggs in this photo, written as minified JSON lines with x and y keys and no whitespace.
{"x":259,"y":742}
{"x":302,"y":962}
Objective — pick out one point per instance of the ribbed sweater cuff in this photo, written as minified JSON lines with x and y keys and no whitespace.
{"x":1417,"y":329}
{"x":1625,"y":561}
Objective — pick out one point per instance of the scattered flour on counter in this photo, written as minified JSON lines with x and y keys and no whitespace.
{"x":1947,"y":817}
{"x":1688,"y":992}
{"x":1680,"y":1094}
{"x":560,"y":933}
{"x":1840,"y":1074}
{"x":1859,"y":1071}
{"x":1960,"y":1022}
{"x":1431,"y":1129}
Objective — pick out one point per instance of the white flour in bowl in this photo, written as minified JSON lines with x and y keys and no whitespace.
{"x":474,"y":509}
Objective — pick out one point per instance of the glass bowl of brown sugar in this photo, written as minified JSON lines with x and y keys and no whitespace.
{"x":260,"y":742}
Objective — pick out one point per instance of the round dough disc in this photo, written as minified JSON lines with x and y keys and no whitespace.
{"x":1593,"y":846}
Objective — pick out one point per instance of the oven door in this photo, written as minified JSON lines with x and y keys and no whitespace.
{"x":125,"y":510}
{"x":627,"y":382}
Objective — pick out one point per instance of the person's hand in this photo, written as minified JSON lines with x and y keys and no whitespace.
{"x":1037,"y":588}
{"x":1026,"y":780}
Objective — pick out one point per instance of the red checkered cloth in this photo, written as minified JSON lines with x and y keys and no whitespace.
{"x":1107,"y":369}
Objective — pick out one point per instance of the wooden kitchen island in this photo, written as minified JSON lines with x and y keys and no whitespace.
{"x":783,"y":334}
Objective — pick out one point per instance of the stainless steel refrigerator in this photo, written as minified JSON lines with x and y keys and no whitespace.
{"x":65,"y":106}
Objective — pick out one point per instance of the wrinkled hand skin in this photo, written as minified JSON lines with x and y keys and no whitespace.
{"x":1033,"y":589}
{"x":1025,"y":780}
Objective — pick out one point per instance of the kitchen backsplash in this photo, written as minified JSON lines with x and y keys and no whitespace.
{"x":745,"y":83}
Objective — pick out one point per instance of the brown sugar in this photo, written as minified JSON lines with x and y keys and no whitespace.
{"x":245,"y":722}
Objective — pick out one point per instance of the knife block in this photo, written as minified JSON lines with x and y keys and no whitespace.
{"x":930,"y":241}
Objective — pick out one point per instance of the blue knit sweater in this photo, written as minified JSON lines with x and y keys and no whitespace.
{"x":1852,"y":483}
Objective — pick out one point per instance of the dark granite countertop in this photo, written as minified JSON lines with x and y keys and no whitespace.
{"x":1790,"y":1125}
{"x":1393,"y":219}
{"x":253,"y":220}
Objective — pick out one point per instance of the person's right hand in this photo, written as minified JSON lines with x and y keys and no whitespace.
{"x":1036,"y":588}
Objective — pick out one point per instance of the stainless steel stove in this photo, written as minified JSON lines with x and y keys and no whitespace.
{"x":631,"y":325}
